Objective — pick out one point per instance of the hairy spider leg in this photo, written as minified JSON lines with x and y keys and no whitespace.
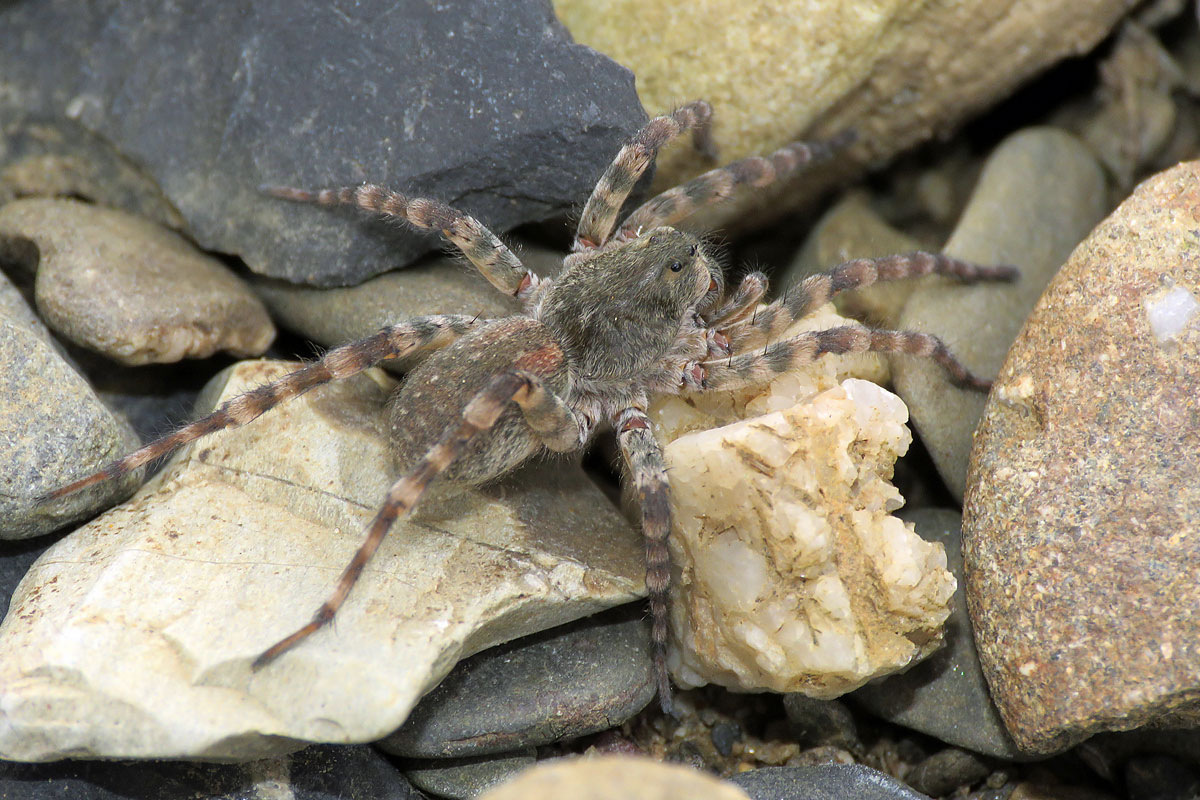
{"x":815,"y":291}
{"x":719,"y":185}
{"x":759,"y":366}
{"x":407,"y":338}
{"x":544,"y":412}
{"x":482,"y":248}
{"x":648,"y":470}
{"x":600,"y":213}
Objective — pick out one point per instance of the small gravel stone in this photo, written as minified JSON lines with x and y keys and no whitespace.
{"x":724,"y":736}
{"x":947,"y":770}
{"x":466,"y":778}
{"x":130,"y":289}
{"x":945,"y":696}
{"x":573,"y":680}
{"x":821,"y":722}
{"x":1080,"y":527}
{"x":1035,"y":175}
{"x":835,"y":782}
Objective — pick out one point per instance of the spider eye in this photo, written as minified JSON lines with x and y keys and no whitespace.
{"x":694,"y":250}
{"x":676,"y":266}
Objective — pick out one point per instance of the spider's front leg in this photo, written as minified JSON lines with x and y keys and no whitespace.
{"x":648,"y":471}
{"x":397,"y":341}
{"x":797,"y":302}
{"x":600,"y":213}
{"x":550,"y":419}
{"x":762,"y":365}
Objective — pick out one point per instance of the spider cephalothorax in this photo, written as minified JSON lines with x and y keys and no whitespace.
{"x":639,"y":308}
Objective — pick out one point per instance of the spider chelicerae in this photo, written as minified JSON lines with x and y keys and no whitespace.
{"x":639,"y":308}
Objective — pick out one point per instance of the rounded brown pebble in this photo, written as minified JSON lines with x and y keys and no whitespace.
{"x":1081,"y":524}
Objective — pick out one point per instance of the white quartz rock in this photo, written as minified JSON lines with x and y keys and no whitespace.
{"x":133,"y":636}
{"x":791,"y":575}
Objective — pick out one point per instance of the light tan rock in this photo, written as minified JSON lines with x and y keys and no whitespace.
{"x":133,"y":637}
{"x":897,"y":71}
{"x":129,"y":288}
{"x":790,"y":573}
{"x":609,"y":777}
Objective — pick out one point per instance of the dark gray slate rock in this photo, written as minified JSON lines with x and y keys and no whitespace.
{"x":946,"y":695}
{"x":485,"y":104}
{"x":318,"y":773}
{"x":570,"y":681}
{"x":463,"y":778}
{"x":828,"y":782}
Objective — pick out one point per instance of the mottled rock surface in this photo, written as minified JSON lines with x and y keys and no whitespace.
{"x":945,"y":696}
{"x":134,"y":635}
{"x":128,"y":288}
{"x":581,"y":678}
{"x":52,"y":428}
{"x":487,"y":105}
{"x":1034,"y":176}
{"x":1082,"y":518}
{"x":607,"y":777}
{"x":897,"y":71}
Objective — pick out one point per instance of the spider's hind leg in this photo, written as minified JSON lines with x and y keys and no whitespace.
{"x":422,"y":333}
{"x":550,"y":420}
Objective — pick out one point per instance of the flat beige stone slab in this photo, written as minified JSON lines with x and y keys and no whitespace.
{"x":133,"y":636}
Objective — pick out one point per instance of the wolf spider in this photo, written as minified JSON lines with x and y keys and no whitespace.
{"x":638,"y":309}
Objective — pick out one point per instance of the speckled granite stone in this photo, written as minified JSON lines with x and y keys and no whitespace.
{"x":1082,"y":516}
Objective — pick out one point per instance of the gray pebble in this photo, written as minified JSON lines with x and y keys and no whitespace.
{"x":836,"y":782}
{"x":1040,"y":193}
{"x":464,"y":778}
{"x":821,"y":722}
{"x":53,"y":428}
{"x":945,"y":771}
{"x":325,"y":772}
{"x":567,"y":682}
{"x":486,"y":104}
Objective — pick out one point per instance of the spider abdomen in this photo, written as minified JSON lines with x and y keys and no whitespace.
{"x":433,"y":397}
